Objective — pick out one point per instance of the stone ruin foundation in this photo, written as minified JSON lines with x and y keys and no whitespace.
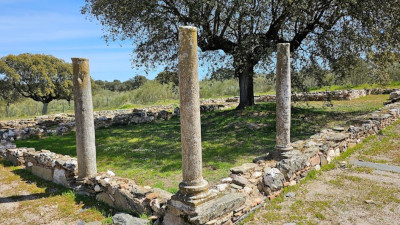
{"x":247,"y":185}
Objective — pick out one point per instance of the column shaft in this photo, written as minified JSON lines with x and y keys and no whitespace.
{"x":190,"y":112}
{"x":283,"y":97}
{"x":84,"y":123}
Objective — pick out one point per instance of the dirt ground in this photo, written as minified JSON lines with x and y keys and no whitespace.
{"x":345,"y":195}
{"x":25,"y":199}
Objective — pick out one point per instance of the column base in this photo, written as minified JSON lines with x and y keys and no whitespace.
{"x":183,"y":205}
{"x":193,"y":195}
{"x":281,"y":152}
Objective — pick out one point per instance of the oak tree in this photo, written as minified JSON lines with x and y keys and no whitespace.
{"x":40,"y":77}
{"x":8,"y":93}
{"x":248,"y":30}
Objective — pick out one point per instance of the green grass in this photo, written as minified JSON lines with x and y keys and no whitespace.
{"x":151,"y":93}
{"x":386,"y":143}
{"x":151,"y":153}
{"x":65,"y":202}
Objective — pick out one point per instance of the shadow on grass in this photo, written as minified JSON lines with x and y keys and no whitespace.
{"x":51,"y":189}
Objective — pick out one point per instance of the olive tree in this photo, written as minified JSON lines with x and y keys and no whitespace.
{"x":42,"y":78}
{"x":247,"y":31}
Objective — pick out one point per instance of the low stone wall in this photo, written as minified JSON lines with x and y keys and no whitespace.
{"x":117,"y":192}
{"x":339,"y":95}
{"x":264,"y":178}
{"x":63,"y":123}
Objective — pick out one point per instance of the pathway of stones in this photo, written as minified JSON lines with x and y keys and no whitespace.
{"x":347,"y":194}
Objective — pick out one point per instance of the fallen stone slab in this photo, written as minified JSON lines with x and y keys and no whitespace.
{"x":126,"y":219}
{"x":243,"y":168}
{"x":336,"y":137}
{"x":377,"y":166}
{"x":218,"y":207}
{"x":239,"y":180}
{"x":394,"y":95}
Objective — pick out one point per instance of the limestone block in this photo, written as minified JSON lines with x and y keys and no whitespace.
{"x":106,"y":198}
{"x":291,"y":165}
{"x":43,"y":172}
{"x":239,"y":180}
{"x":218,"y":207}
{"x":59,"y":177}
{"x":336,"y":137}
{"x":274,"y":179}
{"x":243,"y":168}
{"x":126,"y":219}
{"x":394,"y":95}
{"x":315,"y":160}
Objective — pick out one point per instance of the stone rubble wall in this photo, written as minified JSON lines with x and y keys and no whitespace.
{"x":266,"y":178}
{"x":254,"y":181}
{"x":339,"y":95}
{"x":117,"y":192}
{"x":63,"y":123}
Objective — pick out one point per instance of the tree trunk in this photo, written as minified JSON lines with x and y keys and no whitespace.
{"x":246,"y":86}
{"x":7,"y":109}
{"x":44,"y":110}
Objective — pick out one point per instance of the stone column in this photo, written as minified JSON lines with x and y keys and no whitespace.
{"x":84,"y":123}
{"x":193,"y":183}
{"x":283,"y":100}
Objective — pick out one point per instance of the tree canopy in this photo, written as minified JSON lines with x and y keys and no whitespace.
{"x":116,"y":85}
{"x":248,"y":30}
{"x":43,"y":78}
{"x":222,"y":74}
{"x":166,"y":77}
{"x":8,"y":93}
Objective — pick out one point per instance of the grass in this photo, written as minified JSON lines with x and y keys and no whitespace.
{"x":353,"y":187}
{"x":151,"y":153}
{"x":384,"y":147}
{"x":62,"y":202}
{"x":151,"y":93}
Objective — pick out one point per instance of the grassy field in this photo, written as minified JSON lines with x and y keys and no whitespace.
{"x":151,"y":153}
{"x":27,"y":199}
{"x":153,"y":93}
{"x":342,"y":193}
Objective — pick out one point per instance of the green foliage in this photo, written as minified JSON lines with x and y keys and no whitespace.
{"x":8,"y":93}
{"x":136,"y":82}
{"x":117,"y":85}
{"x":167,"y":77}
{"x":222,"y":74}
{"x":151,"y":152}
{"x":43,"y":78}
{"x":215,"y":88}
{"x":247,"y":31}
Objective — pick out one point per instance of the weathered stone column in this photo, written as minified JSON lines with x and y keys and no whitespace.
{"x":194,"y":203}
{"x":283,"y":100}
{"x":84,"y":123}
{"x":193,"y":182}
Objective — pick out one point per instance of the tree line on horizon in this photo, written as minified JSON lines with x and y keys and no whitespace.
{"x":45,"y":78}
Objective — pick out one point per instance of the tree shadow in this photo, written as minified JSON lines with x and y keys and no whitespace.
{"x":228,"y":138}
{"x":51,"y":189}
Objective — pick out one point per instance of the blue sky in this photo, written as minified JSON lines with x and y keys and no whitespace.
{"x":58,"y":28}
